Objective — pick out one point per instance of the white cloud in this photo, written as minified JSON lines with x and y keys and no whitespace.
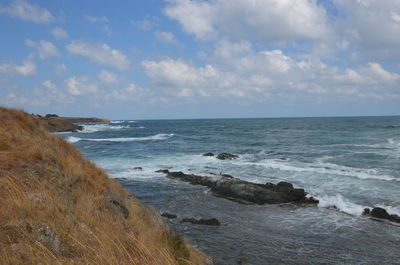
{"x":100,"y":53}
{"x":145,"y":24}
{"x":167,"y":37}
{"x":107,"y":29}
{"x":28,"y":67}
{"x":265,"y":20}
{"x":97,"y":19}
{"x":60,"y":69}
{"x":45,"y":49}
{"x":28,"y":12}
{"x":81,"y":85}
{"x":108,"y":77}
{"x":59,"y":33}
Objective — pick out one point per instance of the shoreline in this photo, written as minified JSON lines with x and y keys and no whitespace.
{"x":66,"y":124}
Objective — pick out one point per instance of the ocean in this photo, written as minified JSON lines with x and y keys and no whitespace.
{"x":347,"y":163}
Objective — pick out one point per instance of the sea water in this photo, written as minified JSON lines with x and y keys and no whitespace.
{"x":348,"y":164}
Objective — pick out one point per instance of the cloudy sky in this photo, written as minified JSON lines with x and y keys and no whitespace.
{"x":135,"y":59}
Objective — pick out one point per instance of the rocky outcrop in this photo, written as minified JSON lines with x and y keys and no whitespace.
{"x":65,"y":124}
{"x":165,"y":171}
{"x":201,"y":221}
{"x":381,"y":213}
{"x":227,"y":156}
{"x":243,"y":191}
{"x":208,"y":154}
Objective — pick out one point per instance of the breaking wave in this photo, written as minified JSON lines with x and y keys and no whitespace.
{"x":156,"y":137}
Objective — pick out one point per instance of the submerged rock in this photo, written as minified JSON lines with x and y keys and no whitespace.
{"x":201,"y":221}
{"x":168,"y":215}
{"x":165,"y":171}
{"x":226,"y":156}
{"x":243,"y":191}
{"x":208,"y":154}
{"x":138,"y":168}
{"x":381,"y":213}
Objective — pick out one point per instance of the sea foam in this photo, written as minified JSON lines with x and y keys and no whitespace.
{"x":124,"y":139}
{"x":91,"y":128}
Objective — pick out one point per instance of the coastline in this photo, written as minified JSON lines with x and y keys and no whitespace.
{"x":66,"y":124}
{"x":60,"y":208}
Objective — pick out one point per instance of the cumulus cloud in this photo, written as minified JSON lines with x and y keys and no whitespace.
{"x":108,"y":77}
{"x":28,"y":12}
{"x":80,"y":85}
{"x":130,"y":92}
{"x":59,"y":33}
{"x":60,"y":69}
{"x":45,"y":49}
{"x":167,"y":37}
{"x":100,"y":53}
{"x":27,"y":68}
{"x":265,"y":20}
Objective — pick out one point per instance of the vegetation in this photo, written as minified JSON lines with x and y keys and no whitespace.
{"x":59,"y":208}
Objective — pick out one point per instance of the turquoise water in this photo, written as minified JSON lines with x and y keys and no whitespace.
{"x":347,"y":163}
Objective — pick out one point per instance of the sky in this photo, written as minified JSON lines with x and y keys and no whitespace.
{"x":167,"y":59}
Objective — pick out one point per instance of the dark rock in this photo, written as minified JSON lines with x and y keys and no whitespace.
{"x":165,"y":171}
{"x":168,"y":215}
{"x":247,"y":192}
{"x":378,"y":212}
{"x":226,"y":156}
{"x":201,"y":221}
{"x":381,"y":213}
{"x":366,"y":211}
{"x":138,"y":168}
{"x":208,"y":154}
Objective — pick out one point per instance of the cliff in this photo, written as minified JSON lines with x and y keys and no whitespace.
{"x":59,"y":208}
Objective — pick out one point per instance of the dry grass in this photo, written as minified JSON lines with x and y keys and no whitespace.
{"x":59,"y":208}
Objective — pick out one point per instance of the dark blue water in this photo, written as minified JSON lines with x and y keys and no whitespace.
{"x":347,"y":163}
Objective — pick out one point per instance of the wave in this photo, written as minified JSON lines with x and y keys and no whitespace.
{"x":91,"y":128}
{"x":346,"y":206}
{"x":122,"y":121}
{"x":156,"y":137}
{"x":340,"y":203}
{"x":321,"y":168}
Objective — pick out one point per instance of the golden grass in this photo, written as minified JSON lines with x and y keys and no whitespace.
{"x":59,"y":208}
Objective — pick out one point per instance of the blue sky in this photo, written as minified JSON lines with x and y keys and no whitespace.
{"x":201,"y":59}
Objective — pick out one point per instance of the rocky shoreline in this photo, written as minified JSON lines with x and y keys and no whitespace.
{"x":54,"y":123}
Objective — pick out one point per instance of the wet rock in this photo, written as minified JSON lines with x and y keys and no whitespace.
{"x":381,"y":213}
{"x":117,"y":204}
{"x":208,"y":154}
{"x":378,"y":212}
{"x":247,"y":192}
{"x":168,"y":215}
{"x":165,"y":171}
{"x":138,"y":168}
{"x":226,"y":156}
{"x":366,"y":211}
{"x":201,"y":221}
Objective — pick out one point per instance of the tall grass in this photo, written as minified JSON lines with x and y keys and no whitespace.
{"x":55,"y":207}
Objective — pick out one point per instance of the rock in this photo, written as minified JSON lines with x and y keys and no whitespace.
{"x":168,"y":215}
{"x":51,"y":116}
{"x":165,"y":171}
{"x":208,"y":154}
{"x":247,"y":192}
{"x":381,"y":213}
{"x":138,"y":168}
{"x":366,"y":211}
{"x":378,"y":212}
{"x":117,"y":204}
{"x":226,"y":156}
{"x":201,"y":221}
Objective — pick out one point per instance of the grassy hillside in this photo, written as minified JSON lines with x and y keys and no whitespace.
{"x":56,"y":207}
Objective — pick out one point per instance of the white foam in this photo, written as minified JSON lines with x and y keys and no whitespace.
{"x":321,"y":168}
{"x":341,"y":203}
{"x":91,"y":128}
{"x":73,"y":139}
{"x":124,"y":139}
